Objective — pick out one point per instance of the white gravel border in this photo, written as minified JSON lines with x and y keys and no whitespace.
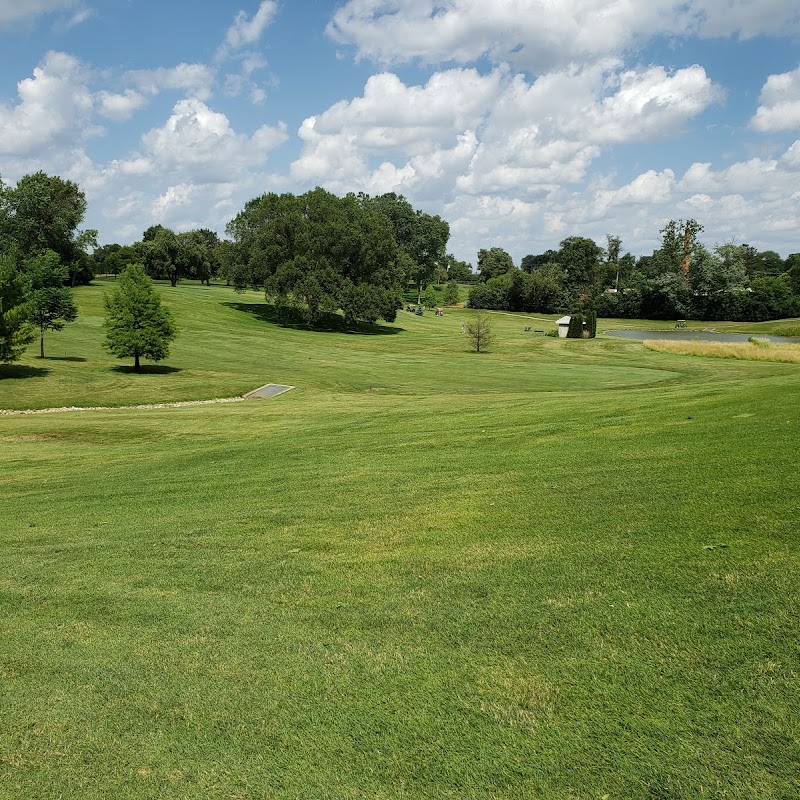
{"x":15,"y":413}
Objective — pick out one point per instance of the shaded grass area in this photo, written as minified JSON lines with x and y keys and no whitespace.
{"x":749,"y":351}
{"x":471,"y":588}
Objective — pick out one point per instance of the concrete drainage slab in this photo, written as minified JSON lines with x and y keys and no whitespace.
{"x":270,"y":390}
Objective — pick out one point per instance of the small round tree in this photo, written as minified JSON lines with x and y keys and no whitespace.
{"x":450,"y":294}
{"x":479,"y":331}
{"x":429,"y":297}
{"x":137,"y":325}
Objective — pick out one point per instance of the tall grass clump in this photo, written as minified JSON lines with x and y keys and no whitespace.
{"x":786,"y":330}
{"x":744,"y":351}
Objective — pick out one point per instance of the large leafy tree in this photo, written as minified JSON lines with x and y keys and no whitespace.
{"x":320,"y":251}
{"x":16,"y":332}
{"x":162,"y":254}
{"x":581,"y":259}
{"x":137,"y":325}
{"x":678,"y":248}
{"x":50,"y":301}
{"x":793,"y":272}
{"x":494,"y":262}
{"x":113,"y":258}
{"x":44,"y":212}
{"x":202,"y":247}
{"x":422,"y":238}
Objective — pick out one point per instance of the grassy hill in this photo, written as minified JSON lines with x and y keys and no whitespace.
{"x":559,"y":569}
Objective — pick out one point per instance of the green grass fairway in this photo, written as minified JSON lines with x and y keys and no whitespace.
{"x":557,"y":569}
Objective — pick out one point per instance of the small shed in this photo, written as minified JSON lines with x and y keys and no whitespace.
{"x":563,"y":326}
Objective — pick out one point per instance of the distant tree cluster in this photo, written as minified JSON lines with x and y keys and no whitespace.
{"x":681,"y":279}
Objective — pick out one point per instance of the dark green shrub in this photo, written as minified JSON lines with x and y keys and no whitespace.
{"x":591,"y":321}
{"x":575,"y":330}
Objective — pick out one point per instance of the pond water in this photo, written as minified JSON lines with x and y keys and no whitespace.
{"x":699,"y":336}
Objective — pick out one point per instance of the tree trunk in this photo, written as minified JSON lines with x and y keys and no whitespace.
{"x":41,"y":344}
{"x":136,"y":365}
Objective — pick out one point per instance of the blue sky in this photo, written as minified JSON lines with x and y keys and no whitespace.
{"x":521,"y":122}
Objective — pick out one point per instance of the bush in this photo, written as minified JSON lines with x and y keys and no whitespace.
{"x":591,"y":320}
{"x":429,"y":297}
{"x":450,"y":294}
{"x":492,"y":295}
{"x":575,"y":330}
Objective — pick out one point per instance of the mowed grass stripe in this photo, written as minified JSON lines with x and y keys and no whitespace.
{"x":399,"y":594}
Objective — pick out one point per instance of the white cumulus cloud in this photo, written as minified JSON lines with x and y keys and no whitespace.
{"x":541,"y":35}
{"x":54,"y":108}
{"x":120,"y":107}
{"x":200,"y":145}
{"x":780,"y":103}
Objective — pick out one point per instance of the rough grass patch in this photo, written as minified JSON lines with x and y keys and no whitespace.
{"x":787,"y":330}
{"x":744,"y":351}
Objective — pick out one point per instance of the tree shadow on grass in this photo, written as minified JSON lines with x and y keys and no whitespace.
{"x":76,"y":359}
{"x":22,"y":371}
{"x":146,"y":369}
{"x":328,"y":323}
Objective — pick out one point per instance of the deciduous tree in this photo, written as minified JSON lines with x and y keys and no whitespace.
{"x":459,"y":271}
{"x":137,"y":325}
{"x":15,"y":329}
{"x":479,"y":331}
{"x":450,"y":294}
{"x":44,"y":212}
{"x":494,"y":262}
{"x":320,"y":250}
{"x":51,"y":303}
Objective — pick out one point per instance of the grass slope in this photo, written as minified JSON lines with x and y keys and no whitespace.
{"x":557,"y":569}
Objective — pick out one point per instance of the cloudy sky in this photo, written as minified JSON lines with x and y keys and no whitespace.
{"x":521,"y":122}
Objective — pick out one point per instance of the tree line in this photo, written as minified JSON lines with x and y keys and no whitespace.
{"x":316,"y":254}
{"x":682,"y":278}
{"x":312,"y":254}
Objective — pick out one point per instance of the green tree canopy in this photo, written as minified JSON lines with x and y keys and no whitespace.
{"x":581,"y":259}
{"x":16,"y":332}
{"x":43,"y":212}
{"x":322,"y":251}
{"x":450,"y":294}
{"x":137,"y":325}
{"x":51,"y":303}
{"x":459,"y":271}
{"x":494,"y":262}
{"x":421,"y":237}
{"x":531,"y":263}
